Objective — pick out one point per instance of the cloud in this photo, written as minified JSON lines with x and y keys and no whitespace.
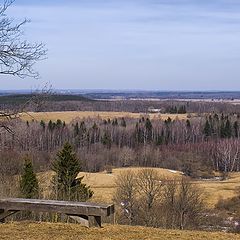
{"x":145,"y":43}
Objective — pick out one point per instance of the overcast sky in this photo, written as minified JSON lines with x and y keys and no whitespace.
{"x":133,"y":44}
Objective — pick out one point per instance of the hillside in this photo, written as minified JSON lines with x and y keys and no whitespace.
{"x":18,"y":99}
{"x":51,"y":231}
{"x":103,"y":184}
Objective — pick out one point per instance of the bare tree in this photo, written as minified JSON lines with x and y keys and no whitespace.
{"x":227,"y":155}
{"x":149,"y":190}
{"x":126,"y":195}
{"x":17,"y":56}
{"x":183,"y":204}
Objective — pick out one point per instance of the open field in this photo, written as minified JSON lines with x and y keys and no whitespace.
{"x":69,"y":116}
{"x":51,"y":231}
{"x":103,"y":184}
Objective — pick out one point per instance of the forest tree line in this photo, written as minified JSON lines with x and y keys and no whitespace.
{"x":53,"y":102}
{"x":196,"y":146}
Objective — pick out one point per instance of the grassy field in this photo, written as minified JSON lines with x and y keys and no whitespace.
{"x":69,"y":116}
{"x":103,"y":184}
{"x":51,"y":231}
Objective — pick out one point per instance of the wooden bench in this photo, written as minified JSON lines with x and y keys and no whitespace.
{"x":88,"y":214}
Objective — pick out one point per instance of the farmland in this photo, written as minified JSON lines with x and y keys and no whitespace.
{"x":68,"y":116}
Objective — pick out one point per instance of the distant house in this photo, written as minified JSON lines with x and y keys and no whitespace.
{"x":154,"y":110}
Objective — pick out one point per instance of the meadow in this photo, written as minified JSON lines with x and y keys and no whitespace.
{"x":51,"y":231}
{"x":68,"y":116}
{"x":103,"y":184}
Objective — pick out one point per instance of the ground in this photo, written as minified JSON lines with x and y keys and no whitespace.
{"x":69,"y":116}
{"x":103,"y":184}
{"x":53,"y":231}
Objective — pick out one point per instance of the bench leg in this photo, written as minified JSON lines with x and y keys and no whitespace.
{"x":2,"y":220}
{"x":88,"y":221}
{"x":4,"y":214}
{"x":83,"y":220}
{"x":95,"y":221}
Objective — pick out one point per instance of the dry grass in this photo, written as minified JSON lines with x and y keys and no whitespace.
{"x":51,"y":231}
{"x":69,"y":116}
{"x":103,"y":184}
{"x":215,"y":190}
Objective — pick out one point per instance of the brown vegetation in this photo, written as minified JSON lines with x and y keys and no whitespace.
{"x":47,"y":231}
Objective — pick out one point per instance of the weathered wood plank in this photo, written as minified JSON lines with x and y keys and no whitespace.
{"x":69,"y":208}
{"x":88,"y":214}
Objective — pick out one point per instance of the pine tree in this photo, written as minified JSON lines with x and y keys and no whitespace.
{"x":50,"y":125}
{"x":42,"y":124}
{"x":65,"y":182}
{"x":76,"y":129}
{"x":59,"y":123}
{"x":106,"y":140}
{"x":123,"y":122}
{"x":228,"y":129}
{"x":149,"y":128}
{"x":188,"y":123}
{"x":207,"y":129}
{"x":236,"y":129}
{"x":28,"y":183}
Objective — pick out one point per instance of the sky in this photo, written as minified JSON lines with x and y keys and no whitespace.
{"x":133,"y":44}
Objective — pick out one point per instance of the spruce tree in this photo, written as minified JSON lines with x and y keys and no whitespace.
{"x":149,"y":128}
{"x":207,"y":129}
{"x":65,"y":182}
{"x":28,"y":183}
{"x":236,"y":129}
{"x":123,"y":122}
{"x":42,"y":124}
{"x":228,"y":129}
{"x":76,"y":129}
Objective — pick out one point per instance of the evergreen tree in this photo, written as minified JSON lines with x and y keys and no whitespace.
{"x":207,"y":129}
{"x":175,"y":110}
{"x":83,"y":127}
{"x":222,"y":129}
{"x":236,"y":129}
{"x":149,"y":128}
{"x":123,"y":122}
{"x":51,"y":125}
{"x":66,"y":184}
{"x":168,"y":121}
{"x":228,"y":129}
{"x":28,"y":183}
{"x":59,"y":123}
{"x":95,"y":126}
{"x":182,"y":110}
{"x":42,"y":124}
{"x":106,"y":140}
{"x":76,"y":129}
{"x":188,"y":123}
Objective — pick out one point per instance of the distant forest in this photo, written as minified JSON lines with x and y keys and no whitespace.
{"x":60,"y":102}
{"x":197,"y":146}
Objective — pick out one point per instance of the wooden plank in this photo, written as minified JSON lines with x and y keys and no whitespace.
{"x":88,"y":214}
{"x":69,"y":208}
